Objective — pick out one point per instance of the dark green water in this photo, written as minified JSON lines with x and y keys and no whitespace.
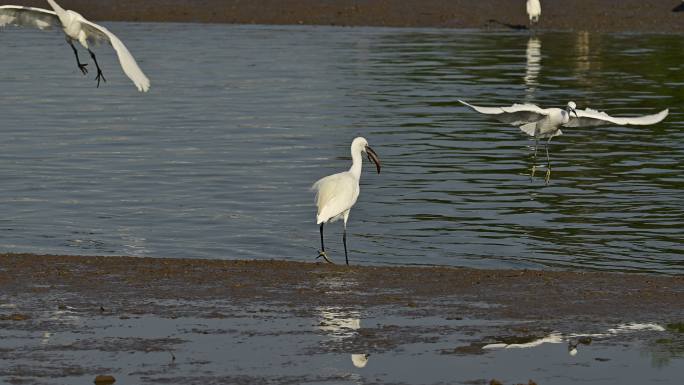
{"x":216,"y":161}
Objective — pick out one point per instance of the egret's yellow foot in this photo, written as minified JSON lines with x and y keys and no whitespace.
{"x":325,"y":256}
{"x":547,"y":178}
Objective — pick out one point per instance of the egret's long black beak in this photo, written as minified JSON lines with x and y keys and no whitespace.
{"x":373,"y":156}
{"x":575,"y":112}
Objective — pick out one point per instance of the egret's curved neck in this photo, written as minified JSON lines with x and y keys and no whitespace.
{"x":55,"y":6}
{"x":357,"y":160}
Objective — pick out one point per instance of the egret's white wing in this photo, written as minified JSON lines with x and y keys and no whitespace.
{"x":128,"y":63}
{"x":516,"y":115}
{"x":593,"y":118}
{"x":28,"y":17}
{"x":335,"y":194}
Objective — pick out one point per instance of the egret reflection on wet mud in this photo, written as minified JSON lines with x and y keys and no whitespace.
{"x":546,"y":123}
{"x":76,"y":28}
{"x":337,"y":193}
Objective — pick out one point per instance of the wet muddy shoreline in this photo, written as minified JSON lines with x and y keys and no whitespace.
{"x":154,"y":320}
{"x":518,"y":293}
{"x":524,"y":294}
{"x":579,"y":15}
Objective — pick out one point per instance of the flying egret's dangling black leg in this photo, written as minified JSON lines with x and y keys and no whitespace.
{"x":81,"y":66}
{"x":99,"y":76}
{"x":321,"y":252}
{"x":344,"y":241}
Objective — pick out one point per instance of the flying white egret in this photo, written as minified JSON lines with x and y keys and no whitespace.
{"x":337,"y":193}
{"x":533,"y":10}
{"x":76,"y":28}
{"x":542,"y":123}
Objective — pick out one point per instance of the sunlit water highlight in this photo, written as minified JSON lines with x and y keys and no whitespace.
{"x":216,"y":161}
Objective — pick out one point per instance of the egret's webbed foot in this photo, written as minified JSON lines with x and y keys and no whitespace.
{"x":325,"y":256}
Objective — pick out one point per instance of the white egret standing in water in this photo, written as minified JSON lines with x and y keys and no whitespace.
{"x":533,"y":11}
{"x":543,"y":123}
{"x":76,"y":28}
{"x":337,"y":193}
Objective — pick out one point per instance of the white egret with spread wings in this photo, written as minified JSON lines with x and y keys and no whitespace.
{"x":337,"y":193}
{"x":546,"y":123}
{"x":76,"y":28}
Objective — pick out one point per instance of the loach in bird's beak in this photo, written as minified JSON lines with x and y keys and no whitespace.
{"x":372,"y":156}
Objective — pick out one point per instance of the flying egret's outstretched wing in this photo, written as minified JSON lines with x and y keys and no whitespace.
{"x":593,"y":118}
{"x":128,"y":63}
{"x":516,"y":115}
{"x":28,"y":17}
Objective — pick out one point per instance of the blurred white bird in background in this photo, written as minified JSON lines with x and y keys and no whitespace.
{"x":76,"y":28}
{"x":543,"y":123}
{"x":337,"y":193}
{"x":360,"y":360}
{"x":533,"y":11}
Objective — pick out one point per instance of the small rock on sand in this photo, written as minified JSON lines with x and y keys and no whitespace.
{"x":104,"y":380}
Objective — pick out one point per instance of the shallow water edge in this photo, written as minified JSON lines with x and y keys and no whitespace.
{"x":146,"y":320}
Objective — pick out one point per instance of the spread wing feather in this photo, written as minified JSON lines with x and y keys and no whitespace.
{"x":592,"y":118}
{"x":128,"y":63}
{"x":516,"y":115}
{"x":28,"y":17}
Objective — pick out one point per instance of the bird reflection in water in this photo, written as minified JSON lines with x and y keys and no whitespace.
{"x":341,"y":324}
{"x":533,"y":67}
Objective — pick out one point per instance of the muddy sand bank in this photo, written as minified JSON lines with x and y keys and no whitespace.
{"x":66,"y":319}
{"x":584,"y":15}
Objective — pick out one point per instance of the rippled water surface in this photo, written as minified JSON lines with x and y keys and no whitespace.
{"x":217,"y":160}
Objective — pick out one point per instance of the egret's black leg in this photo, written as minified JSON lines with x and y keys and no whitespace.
{"x":536,"y":146}
{"x":344,"y":241}
{"x":99,"y":76}
{"x":321,"y":252}
{"x":81,"y":66}
{"x":548,"y":162}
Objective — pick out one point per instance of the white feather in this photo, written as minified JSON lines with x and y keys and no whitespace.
{"x":591,"y":118}
{"x":128,"y":63}
{"x":335,"y":195}
{"x":76,"y":27}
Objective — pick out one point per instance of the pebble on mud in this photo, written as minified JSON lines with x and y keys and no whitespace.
{"x":104,"y":380}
